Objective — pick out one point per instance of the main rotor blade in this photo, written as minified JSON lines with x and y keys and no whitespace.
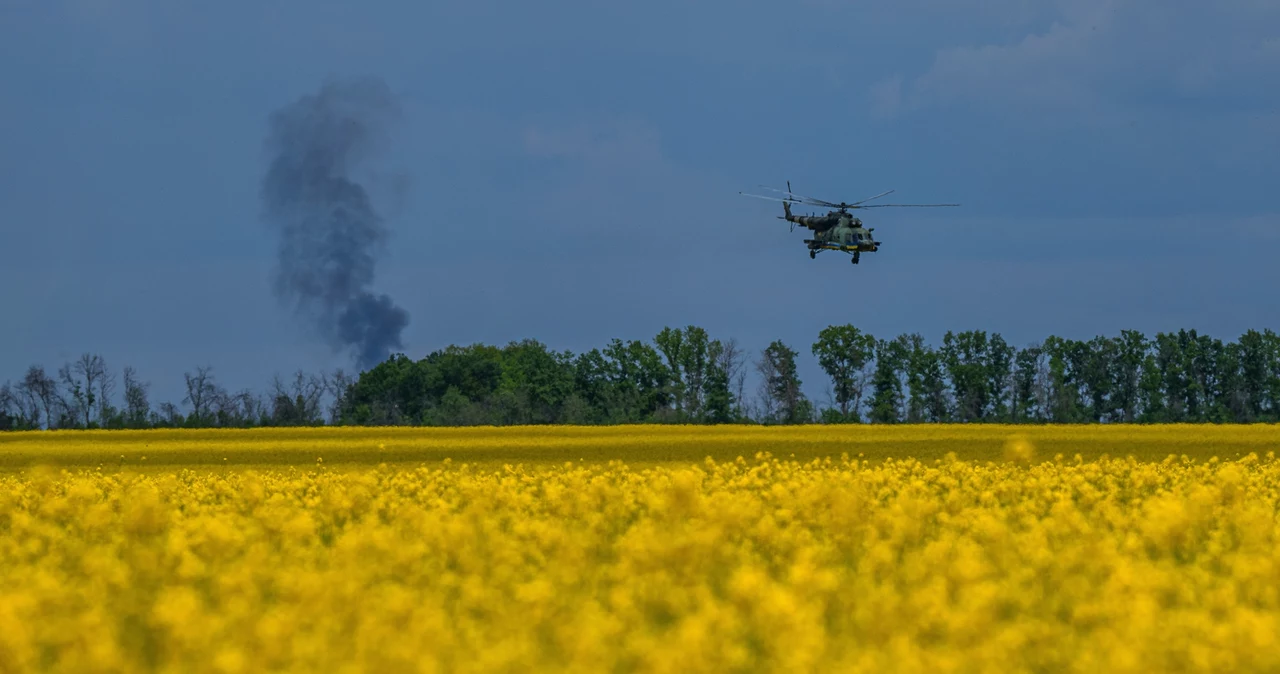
{"x":758,"y":196}
{"x":800,"y":198}
{"x":906,"y":205}
{"x":870,"y":198}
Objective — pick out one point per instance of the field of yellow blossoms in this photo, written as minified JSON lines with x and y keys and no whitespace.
{"x":653,"y":549}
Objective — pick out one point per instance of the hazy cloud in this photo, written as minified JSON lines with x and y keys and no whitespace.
{"x":1100,"y":60}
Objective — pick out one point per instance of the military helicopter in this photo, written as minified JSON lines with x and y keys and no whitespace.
{"x":837,"y":230}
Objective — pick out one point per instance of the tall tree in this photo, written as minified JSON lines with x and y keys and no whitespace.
{"x":83,"y":379}
{"x":1097,"y":374}
{"x":537,"y":380}
{"x":14,"y":414}
{"x":1130,"y":355}
{"x":784,"y":401}
{"x":1231,"y":402}
{"x":1256,"y":355}
{"x":844,"y":352}
{"x":43,"y":390}
{"x":887,"y":397}
{"x":296,"y":404}
{"x":137,"y":409}
{"x":1151,"y":392}
{"x":1170,"y":361}
{"x":694,"y":361}
{"x":999,"y":366}
{"x":201,"y":392}
{"x":965,"y":356}
{"x":928,"y":383}
{"x":1065,"y":362}
{"x":726,"y":374}
{"x":686,"y":353}
{"x":719,"y":403}
{"x":1027,"y":365}
{"x":671,"y":344}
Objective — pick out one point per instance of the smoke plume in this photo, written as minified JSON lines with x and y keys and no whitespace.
{"x":330,"y":233}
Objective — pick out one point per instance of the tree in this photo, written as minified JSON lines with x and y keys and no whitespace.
{"x":536,"y":381}
{"x":83,"y":379}
{"x":42,"y":391}
{"x":299,"y":404}
{"x":887,"y":398}
{"x":671,"y":344}
{"x":1126,"y":386}
{"x":844,"y":353}
{"x":1170,"y":363}
{"x":1151,"y":391}
{"x":1231,"y":401}
{"x":391,"y":392}
{"x":694,"y":361}
{"x":1027,"y":364}
{"x":1063,"y":394}
{"x":14,"y":414}
{"x":1000,"y":357}
{"x":1260,"y":373}
{"x":106,"y":392}
{"x":1097,"y":374}
{"x":625,"y":382}
{"x":966,"y":356}
{"x":927,"y":383}
{"x":723,"y":385}
{"x":200,"y":395}
{"x":783,"y":400}
{"x":718,"y":404}
{"x":137,"y":409}
{"x":339,"y":383}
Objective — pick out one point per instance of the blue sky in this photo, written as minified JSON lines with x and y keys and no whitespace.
{"x":573,"y":171}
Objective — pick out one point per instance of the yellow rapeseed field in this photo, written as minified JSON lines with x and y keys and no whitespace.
{"x":653,"y":549}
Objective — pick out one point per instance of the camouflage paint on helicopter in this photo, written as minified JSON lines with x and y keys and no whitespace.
{"x":837,"y":230}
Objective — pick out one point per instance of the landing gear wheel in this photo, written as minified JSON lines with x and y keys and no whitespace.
{"x":854,"y":260}
{"x":813,"y":254}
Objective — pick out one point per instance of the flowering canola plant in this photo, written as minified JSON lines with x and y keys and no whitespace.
{"x":766,"y":563}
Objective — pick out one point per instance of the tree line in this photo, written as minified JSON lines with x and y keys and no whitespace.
{"x":683,"y":375}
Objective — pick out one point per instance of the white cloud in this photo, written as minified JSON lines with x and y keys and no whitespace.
{"x":1101,"y":60}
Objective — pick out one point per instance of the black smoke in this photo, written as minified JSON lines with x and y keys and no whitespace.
{"x":330,"y":231}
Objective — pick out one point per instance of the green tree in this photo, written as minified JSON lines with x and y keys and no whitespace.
{"x":1000,"y":357}
{"x":1026,"y":374}
{"x":844,"y":352}
{"x":1151,"y":392}
{"x":672,"y":346}
{"x":1170,"y":362}
{"x":536,"y":381}
{"x":887,"y":397}
{"x":1065,"y":358}
{"x":1097,"y":367}
{"x":966,"y":357}
{"x":1260,"y":374}
{"x":1127,"y":371}
{"x":784,"y":402}
{"x":719,"y":405}
{"x":685,"y":351}
{"x":927,"y":382}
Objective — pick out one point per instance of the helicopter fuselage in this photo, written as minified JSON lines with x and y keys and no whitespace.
{"x":837,"y":230}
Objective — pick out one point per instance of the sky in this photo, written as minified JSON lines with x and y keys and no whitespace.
{"x":570,"y":171}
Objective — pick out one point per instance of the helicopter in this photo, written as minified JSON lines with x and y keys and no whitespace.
{"x":837,"y":230}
